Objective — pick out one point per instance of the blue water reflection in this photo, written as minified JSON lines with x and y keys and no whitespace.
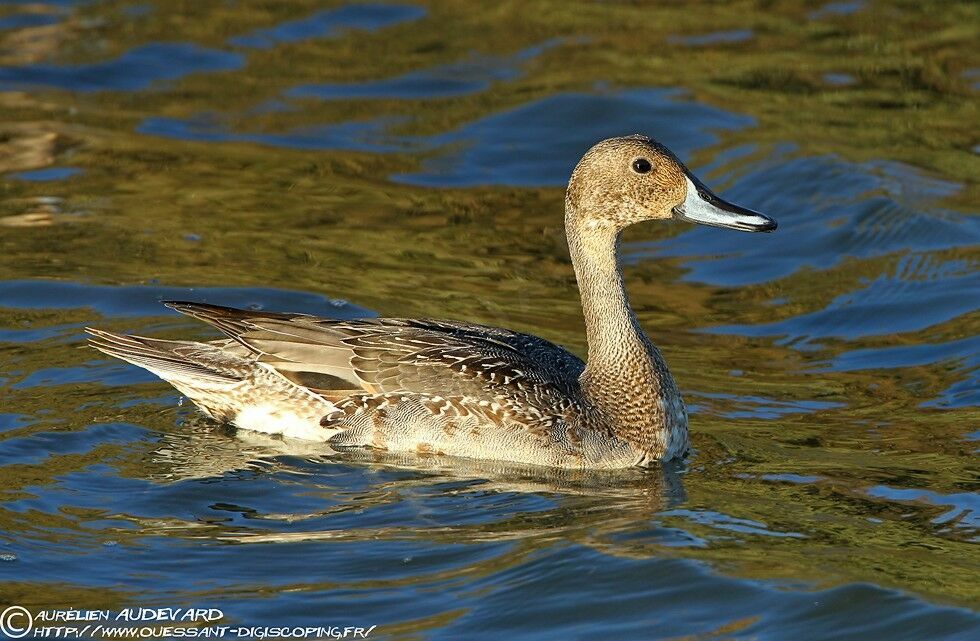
{"x":369,"y":135}
{"x":538,"y":143}
{"x":23,"y":20}
{"x":833,"y":209}
{"x":330,"y":23}
{"x":145,"y":300}
{"x":533,"y":145}
{"x":47,"y":174}
{"x":715,"y":37}
{"x":136,"y":69}
{"x":467,"y":76}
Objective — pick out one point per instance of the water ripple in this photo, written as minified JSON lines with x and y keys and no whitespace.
{"x":506,"y":149}
{"x":828,"y":210}
{"x":145,"y":300}
{"x":467,"y":76}
{"x":886,"y":305}
{"x":136,"y":69}
{"x":330,"y":23}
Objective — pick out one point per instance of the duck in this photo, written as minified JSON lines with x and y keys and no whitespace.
{"x":459,"y":389}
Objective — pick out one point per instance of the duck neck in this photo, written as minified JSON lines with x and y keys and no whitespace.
{"x":625,"y":378}
{"x":610,"y":324}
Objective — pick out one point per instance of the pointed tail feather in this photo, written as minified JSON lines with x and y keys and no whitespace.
{"x":170,"y":360}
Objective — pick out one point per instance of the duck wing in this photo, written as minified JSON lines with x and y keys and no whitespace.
{"x":391,"y":355}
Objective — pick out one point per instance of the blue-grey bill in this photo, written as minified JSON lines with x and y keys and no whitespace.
{"x":703,"y":207}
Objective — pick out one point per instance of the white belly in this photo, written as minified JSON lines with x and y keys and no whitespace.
{"x":271,"y":419}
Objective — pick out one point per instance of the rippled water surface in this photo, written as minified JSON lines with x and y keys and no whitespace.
{"x":408,"y":160}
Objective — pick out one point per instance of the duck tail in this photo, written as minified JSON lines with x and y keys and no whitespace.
{"x":181,"y":363}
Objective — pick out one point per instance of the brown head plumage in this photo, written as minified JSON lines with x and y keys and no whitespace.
{"x":622,"y":181}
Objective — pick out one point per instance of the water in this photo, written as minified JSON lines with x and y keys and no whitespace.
{"x":407,"y":160}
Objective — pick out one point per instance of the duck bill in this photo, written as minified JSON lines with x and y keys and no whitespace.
{"x":703,"y":207}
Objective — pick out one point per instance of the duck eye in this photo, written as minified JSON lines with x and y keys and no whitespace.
{"x":642,"y":165}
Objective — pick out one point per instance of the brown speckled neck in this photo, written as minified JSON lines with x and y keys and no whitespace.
{"x":610,"y":323}
{"x":625,"y":377}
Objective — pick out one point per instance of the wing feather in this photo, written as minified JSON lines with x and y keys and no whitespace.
{"x":398,"y":355}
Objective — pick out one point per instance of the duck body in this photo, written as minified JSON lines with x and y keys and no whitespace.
{"x":501,"y":395}
{"x":461,"y":389}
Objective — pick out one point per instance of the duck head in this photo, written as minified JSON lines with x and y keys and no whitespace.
{"x":622,"y":181}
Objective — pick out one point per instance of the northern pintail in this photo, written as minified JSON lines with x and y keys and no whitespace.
{"x":461,"y":389}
